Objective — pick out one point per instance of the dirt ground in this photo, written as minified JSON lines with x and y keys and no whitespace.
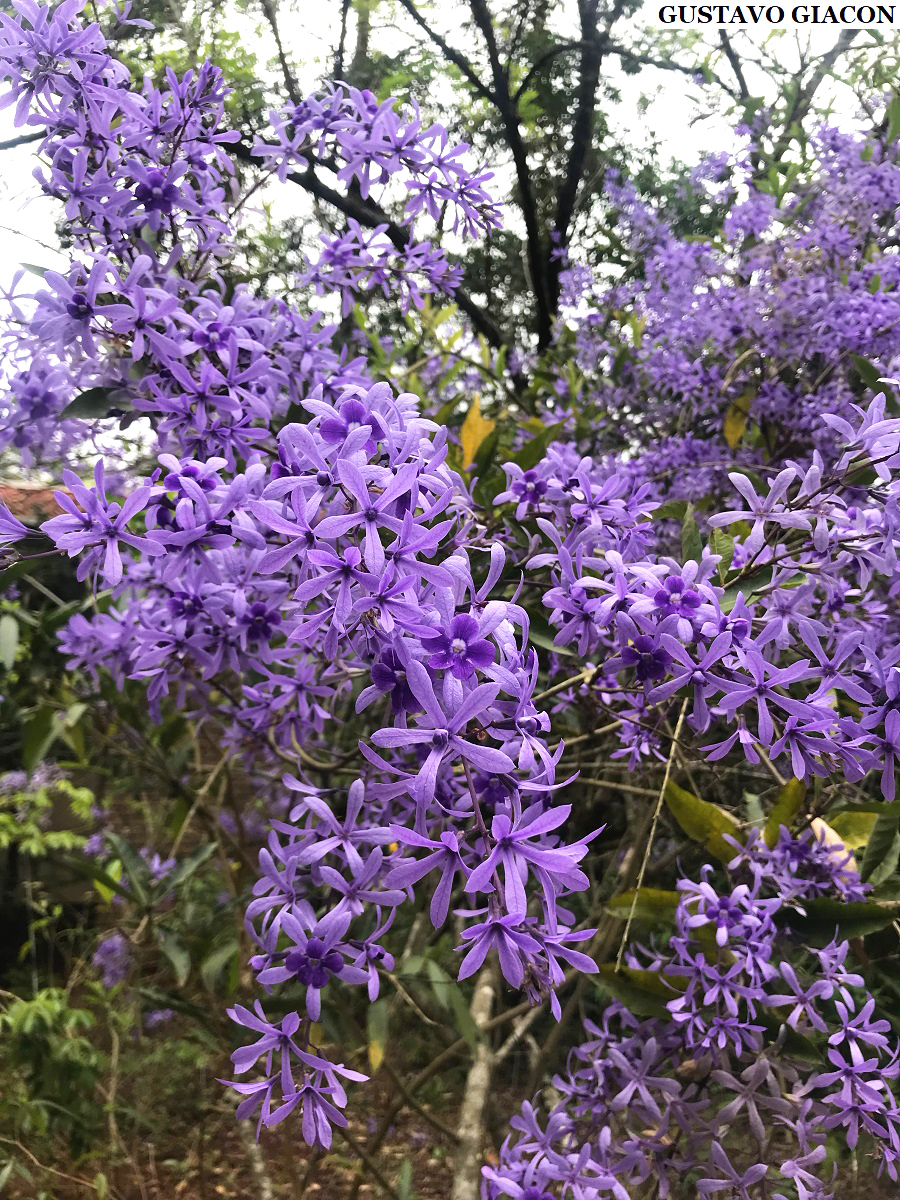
{"x":214,"y":1161}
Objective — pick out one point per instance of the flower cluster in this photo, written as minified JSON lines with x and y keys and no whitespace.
{"x":391,"y":157}
{"x":724,"y":1087}
{"x":773,"y":632}
{"x":342,"y":551}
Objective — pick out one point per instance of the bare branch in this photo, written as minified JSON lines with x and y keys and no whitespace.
{"x":736,"y":65}
{"x":467,"y":1164}
{"x":665,"y":64}
{"x":23,"y":139}
{"x":290,"y":82}
{"x":455,"y":56}
{"x":509,"y":115}
{"x":540,"y":63}
{"x":595,"y":44}
{"x":805,"y":94}
{"x":342,"y":42}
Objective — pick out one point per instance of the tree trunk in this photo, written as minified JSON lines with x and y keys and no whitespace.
{"x":469,"y":1154}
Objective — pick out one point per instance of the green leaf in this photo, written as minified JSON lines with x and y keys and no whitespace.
{"x":37,"y":737}
{"x":213,"y":965}
{"x":403,"y":1186}
{"x":449,"y":995}
{"x":824,"y":916}
{"x":9,"y":640}
{"x":18,"y":570}
{"x":653,"y":904}
{"x":177,"y":954}
{"x":893,"y":125}
{"x":749,"y":585}
{"x":95,"y":404}
{"x":788,"y":804}
{"x":691,"y":543}
{"x":135,"y":867}
{"x":106,"y":882}
{"x":704,"y":822}
{"x":532,"y":452}
{"x":542,"y":634}
{"x":672,"y":509}
{"x":377,"y":1029}
{"x":157,"y":997}
{"x":184,"y":870}
{"x":797,"y":1045}
{"x":485,"y":455}
{"x":722,"y":543}
{"x":867,"y":806}
{"x":853,"y":828}
{"x":754,"y":809}
{"x":643,"y":993}
{"x":882,"y":849}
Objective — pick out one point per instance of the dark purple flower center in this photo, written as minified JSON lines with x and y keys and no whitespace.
{"x":315,"y":963}
{"x":78,"y":307}
{"x":260,"y":621}
{"x":155,"y":194}
{"x":650,"y":662}
{"x":530,"y":487}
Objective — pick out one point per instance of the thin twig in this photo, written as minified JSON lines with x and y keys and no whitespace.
{"x":659,"y":803}
{"x":87,"y":1183}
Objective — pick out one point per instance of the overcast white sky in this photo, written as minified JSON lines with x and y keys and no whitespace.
{"x":27,"y":218}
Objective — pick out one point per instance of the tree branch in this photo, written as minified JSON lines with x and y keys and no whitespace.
{"x":23,"y":139}
{"x":805,"y":95}
{"x":595,"y":44}
{"x":371,"y":215}
{"x":455,"y":56}
{"x":468,"y":1160}
{"x":540,"y":63}
{"x":736,"y":65}
{"x":290,"y":82}
{"x":342,"y":41}
{"x":509,"y":115}
{"x":664,"y":64}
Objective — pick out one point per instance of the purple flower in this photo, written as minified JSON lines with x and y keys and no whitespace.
{"x":98,"y":524}
{"x":505,"y":935}
{"x":442,"y":734}
{"x":732,"y":1179}
{"x":516,"y":851}
{"x":459,"y":648}
{"x":318,"y":956}
{"x":445,"y":857}
{"x":112,"y":958}
{"x":11,"y":529}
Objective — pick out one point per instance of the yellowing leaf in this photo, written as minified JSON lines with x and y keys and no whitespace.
{"x":785,"y":809}
{"x":377,"y":1023}
{"x":854,"y":828}
{"x":823,"y":833}
{"x":736,"y":419}
{"x":704,"y":822}
{"x":476,"y":429}
{"x":648,"y":904}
